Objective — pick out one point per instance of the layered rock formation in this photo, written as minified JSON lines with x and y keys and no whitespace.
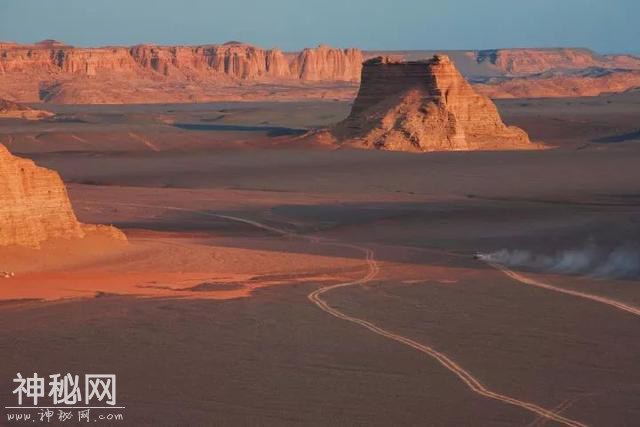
{"x":51,"y":71}
{"x":536,"y":73}
{"x":9,"y":109}
{"x":35,"y":206}
{"x":423,"y":106}
{"x":41,"y":72}
{"x":327,"y":64}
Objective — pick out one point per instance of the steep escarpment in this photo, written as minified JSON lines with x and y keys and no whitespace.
{"x":423,"y":106}
{"x":35,"y":206}
{"x":234,"y":60}
{"x":54,"y":72}
{"x":327,"y":64}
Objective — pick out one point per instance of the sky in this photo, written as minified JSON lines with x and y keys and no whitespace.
{"x":607,"y":26}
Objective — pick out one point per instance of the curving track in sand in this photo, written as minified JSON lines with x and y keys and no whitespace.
{"x":372,"y":271}
{"x":537,"y":283}
{"x":472,"y":382}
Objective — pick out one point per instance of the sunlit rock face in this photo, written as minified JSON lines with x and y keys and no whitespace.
{"x":327,"y":64}
{"x":35,"y":206}
{"x":54,"y":72}
{"x":423,"y":106}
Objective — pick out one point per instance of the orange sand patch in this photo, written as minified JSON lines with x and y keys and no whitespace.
{"x":159,"y":266}
{"x":87,"y":284}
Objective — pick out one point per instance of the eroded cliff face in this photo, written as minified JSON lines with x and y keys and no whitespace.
{"x":53,"y":72}
{"x":35,"y":206}
{"x":328,"y":64}
{"x":232,"y":60}
{"x":423,"y":106}
{"x":235,"y":60}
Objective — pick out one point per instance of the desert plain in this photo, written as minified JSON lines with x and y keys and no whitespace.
{"x":209,"y":313}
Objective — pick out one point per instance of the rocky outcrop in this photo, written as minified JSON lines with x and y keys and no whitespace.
{"x":12,"y":110}
{"x":536,"y":73}
{"x":35,"y":206}
{"x":423,"y":106}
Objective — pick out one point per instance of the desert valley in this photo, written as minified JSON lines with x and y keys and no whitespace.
{"x":330,"y":236}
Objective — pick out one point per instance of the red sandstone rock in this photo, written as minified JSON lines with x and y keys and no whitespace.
{"x":35,"y":206}
{"x":423,"y":106}
{"x":235,"y":60}
{"x":53,"y":72}
{"x":328,"y":64}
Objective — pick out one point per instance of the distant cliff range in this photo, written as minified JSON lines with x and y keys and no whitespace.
{"x":51,"y":71}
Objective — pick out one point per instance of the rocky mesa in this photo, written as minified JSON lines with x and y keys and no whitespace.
{"x":233,"y":59}
{"x":35,"y":206}
{"x":540,"y":73}
{"x":423,"y":106}
{"x":53,"y":72}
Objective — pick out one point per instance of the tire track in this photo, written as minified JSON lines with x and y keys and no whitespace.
{"x":473,"y":383}
{"x":597,"y":298}
{"x":373,"y":269}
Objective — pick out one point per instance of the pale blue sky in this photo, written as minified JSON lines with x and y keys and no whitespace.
{"x":604,"y":25}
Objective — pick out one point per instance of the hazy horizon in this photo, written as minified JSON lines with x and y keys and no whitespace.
{"x":404,"y":25}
